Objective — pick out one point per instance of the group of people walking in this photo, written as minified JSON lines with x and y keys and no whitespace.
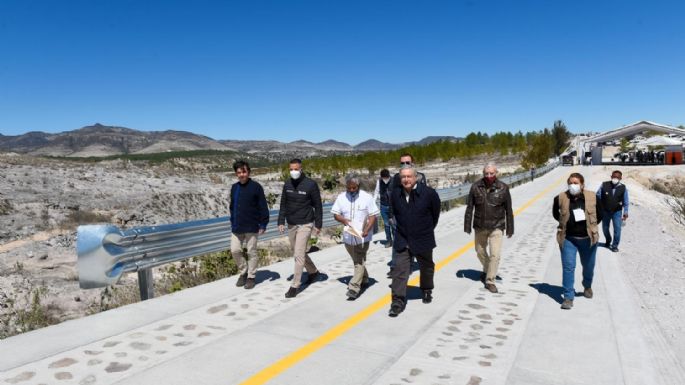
{"x":410,"y":210}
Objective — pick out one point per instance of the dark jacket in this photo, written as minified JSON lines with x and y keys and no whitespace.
{"x":612,"y":196}
{"x":301,"y":203}
{"x":384,"y":191}
{"x":249,"y":210}
{"x":396,"y":184}
{"x":416,"y":219}
{"x":492,"y":205}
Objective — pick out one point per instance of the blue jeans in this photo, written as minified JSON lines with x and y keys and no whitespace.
{"x":617,"y":219}
{"x":587,"y":251}
{"x":385,"y":212}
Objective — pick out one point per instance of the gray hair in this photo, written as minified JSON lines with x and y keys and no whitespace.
{"x":409,"y":167}
{"x":352,"y":177}
{"x":490,"y":165}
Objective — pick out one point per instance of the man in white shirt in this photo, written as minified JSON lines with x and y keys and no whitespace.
{"x":357,"y":210}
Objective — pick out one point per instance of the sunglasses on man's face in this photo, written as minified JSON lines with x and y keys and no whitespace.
{"x":407,"y":163}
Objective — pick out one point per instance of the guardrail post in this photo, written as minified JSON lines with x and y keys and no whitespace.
{"x":145,"y":284}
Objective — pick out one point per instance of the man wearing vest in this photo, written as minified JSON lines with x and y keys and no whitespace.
{"x":382,"y":194}
{"x":614,"y":197}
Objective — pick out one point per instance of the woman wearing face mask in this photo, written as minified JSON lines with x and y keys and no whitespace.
{"x":578,"y":213}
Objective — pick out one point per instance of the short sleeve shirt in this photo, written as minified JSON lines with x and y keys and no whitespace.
{"x":357,"y":210}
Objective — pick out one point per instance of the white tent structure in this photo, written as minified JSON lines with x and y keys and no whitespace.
{"x":583,"y":144}
{"x":659,"y":141}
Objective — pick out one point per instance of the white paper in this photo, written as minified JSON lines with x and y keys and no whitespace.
{"x":352,"y":231}
{"x":579,"y":214}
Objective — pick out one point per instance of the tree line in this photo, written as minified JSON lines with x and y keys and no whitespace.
{"x":534,"y":147}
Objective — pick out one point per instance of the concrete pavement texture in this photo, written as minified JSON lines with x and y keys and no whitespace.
{"x":222,"y":334}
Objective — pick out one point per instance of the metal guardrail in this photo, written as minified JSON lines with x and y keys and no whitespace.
{"x":105,"y":252}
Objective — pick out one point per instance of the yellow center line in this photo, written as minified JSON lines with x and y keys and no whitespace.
{"x":338,"y":330}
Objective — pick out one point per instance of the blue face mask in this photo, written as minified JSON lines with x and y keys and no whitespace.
{"x":353,"y":195}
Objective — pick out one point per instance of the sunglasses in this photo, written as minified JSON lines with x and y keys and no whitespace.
{"x":407,"y":163}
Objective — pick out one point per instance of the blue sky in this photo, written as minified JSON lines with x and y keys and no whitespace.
{"x":347,"y":70}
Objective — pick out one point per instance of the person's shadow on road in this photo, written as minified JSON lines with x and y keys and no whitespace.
{"x":552,"y":291}
{"x":266,"y":275}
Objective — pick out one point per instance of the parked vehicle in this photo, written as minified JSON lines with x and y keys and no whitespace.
{"x":567,"y":160}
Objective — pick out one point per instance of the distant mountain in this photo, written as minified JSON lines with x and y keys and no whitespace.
{"x":375,"y":145}
{"x":102,"y":140}
{"x":335,"y":145}
{"x":433,"y":139}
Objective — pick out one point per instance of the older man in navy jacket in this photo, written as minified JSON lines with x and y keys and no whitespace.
{"x":416,"y":208}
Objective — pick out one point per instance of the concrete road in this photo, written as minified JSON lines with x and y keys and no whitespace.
{"x":222,"y":334}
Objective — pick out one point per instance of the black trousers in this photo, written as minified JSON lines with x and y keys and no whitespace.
{"x":402,"y":269}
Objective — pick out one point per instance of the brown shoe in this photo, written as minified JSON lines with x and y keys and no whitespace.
{"x":491,"y":287}
{"x":567,"y":304}
{"x":587,"y":293}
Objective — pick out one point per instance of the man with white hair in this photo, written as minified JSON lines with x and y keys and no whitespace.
{"x":357,"y":210}
{"x":493,"y":216}
{"x":417,"y":209}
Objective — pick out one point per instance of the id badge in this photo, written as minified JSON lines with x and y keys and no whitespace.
{"x":579,"y":214}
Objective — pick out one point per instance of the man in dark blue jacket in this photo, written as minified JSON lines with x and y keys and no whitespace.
{"x":416,"y":208}
{"x":249,"y":217}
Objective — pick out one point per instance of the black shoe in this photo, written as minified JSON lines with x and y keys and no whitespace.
{"x":614,"y":249}
{"x":396,"y":308}
{"x":312,"y":277}
{"x":427,"y":296}
{"x":390,"y":273}
{"x":292,"y":292}
{"x":241,"y":280}
{"x":249,"y":284}
{"x":482,"y":277}
{"x":387,"y":245}
{"x":607,"y":244}
{"x":352,"y":295}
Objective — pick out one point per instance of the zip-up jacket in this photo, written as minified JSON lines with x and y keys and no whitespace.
{"x":249,"y":210}
{"x":492,"y":207}
{"x":300,"y":203}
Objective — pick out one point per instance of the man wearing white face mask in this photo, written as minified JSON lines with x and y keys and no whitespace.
{"x":301,"y":208}
{"x":614,"y":197}
{"x":356,"y":209}
{"x":578,"y":212}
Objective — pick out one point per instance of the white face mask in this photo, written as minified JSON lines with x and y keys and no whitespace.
{"x":574,"y":189}
{"x":615,"y":180}
{"x":386,"y":180}
{"x":295,"y":174}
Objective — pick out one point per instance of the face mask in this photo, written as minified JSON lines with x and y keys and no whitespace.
{"x":490,"y":178}
{"x":615,"y":180}
{"x":386,"y":180}
{"x":353,"y":194}
{"x":574,"y":189}
{"x":295,"y":174}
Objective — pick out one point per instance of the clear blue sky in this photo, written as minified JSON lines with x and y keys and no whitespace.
{"x":347,"y":70}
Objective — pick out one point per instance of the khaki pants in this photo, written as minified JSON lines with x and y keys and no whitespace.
{"x":299,"y":244}
{"x":490,"y":261}
{"x":250,"y":240}
{"x":361,"y":276}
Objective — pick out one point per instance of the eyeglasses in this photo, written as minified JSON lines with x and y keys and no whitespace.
{"x":407,"y":163}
